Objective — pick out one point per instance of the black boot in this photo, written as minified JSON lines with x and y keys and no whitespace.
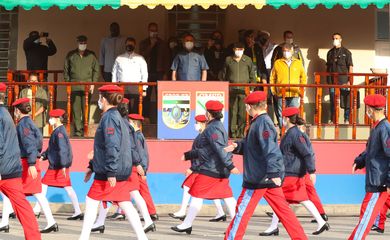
{"x":53,"y":228}
{"x":272,"y":233}
{"x":99,"y":229}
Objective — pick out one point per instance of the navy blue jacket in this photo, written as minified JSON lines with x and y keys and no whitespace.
{"x":263,"y":159}
{"x":297,"y":153}
{"x":112,"y":154}
{"x":216,"y":162}
{"x":10,"y":166}
{"x":134,"y":151}
{"x":59,"y":151}
{"x":195,"y":162}
{"x":30,"y":140}
{"x":142,"y":149}
{"x":376,"y":158}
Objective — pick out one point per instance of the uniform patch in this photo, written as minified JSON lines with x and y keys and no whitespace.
{"x":388,"y":143}
{"x":302,"y":139}
{"x":110,"y":131}
{"x":60,"y":135}
{"x":214,"y":136}
{"x":26,"y":131}
{"x":266,"y":134}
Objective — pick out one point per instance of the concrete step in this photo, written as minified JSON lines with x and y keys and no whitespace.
{"x":345,"y":132}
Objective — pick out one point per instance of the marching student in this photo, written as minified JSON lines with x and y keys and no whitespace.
{"x":191,"y":173}
{"x":11,"y":174}
{"x":263,"y":172}
{"x":298,"y":161}
{"x":30,"y":144}
{"x":134,"y":180}
{"x":111,"y":163}
{"x":375,"y":159}
{"x":379,"y":224}
{"x":212,"y":180}
{"x":7,"y":211}
{"x":60,"y":156}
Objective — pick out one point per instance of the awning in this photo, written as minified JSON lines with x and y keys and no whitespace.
{"x":169,"y":4}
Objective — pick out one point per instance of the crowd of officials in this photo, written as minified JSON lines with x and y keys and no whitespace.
{"x":253,"y":58}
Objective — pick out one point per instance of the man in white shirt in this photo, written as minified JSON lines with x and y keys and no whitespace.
{"x":131,"y":67}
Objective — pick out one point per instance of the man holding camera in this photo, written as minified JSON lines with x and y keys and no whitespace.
{"x":37,"y":53}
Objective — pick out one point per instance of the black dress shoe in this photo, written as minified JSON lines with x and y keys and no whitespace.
{"x":151,"y":227}
{"x":53,"y":228}
{"x":187,"y":230}
{"x":324,"y":216}
{"x":37,"y":215}
{"x":12,"y":215}
{"x":326,"y":227}
{"x":377,"y":229}
{"x":172,"y":215}
{"x":222,"y":218}
{"x":98,"y":229}
{"x":5,"y":229}
{"x":154,"y":217}
{"x":272,"y":233}
{"x":269,"y":214}
{"x":80,"y":216}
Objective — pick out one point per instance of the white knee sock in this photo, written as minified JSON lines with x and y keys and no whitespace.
{"x":141,"y":205}
{"x":45,"y":208}
{"x":101,"y":216}
{"x":309,"y":205}
{"x":274,"y":223}
{"x":119,"y":210}
{"x":231,"y":204}
{"x":134,"y":220}
{"x":7,"y":210}
{"x":184,"y":202}
{"x":193,"y":210}
{"x":75,"y":201}
{"x":219,"y":207}
{"x":37,"y":207}
{"x":89,"y":217}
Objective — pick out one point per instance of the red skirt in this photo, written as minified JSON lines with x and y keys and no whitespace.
{"x":294,"y":189}
{"x":133,"y":180}
{"x":102,"y":191}
{"x":55,"y":178}
{"x":189,"y":180}
{"x":210,"y":188}
{"x":30,"y":185}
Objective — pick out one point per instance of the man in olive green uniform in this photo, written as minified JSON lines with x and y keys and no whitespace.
{"x":81,"y":65}
{"x":238,"y":68}
{"x":41,"y":100}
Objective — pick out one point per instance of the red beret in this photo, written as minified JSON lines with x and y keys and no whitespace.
{"x":56,"y":113}
{"x":375,"y":101}
{"x":20,"y":101}
{"x":111,"y":89}
{"x":136,"y":117}
{"x":290,"y":111}
{"x":256,"y":97}
{"x":214,"y":105}
{"x":125,"y":100}
{"x":201,"y":118}
{"x":3,"y":87}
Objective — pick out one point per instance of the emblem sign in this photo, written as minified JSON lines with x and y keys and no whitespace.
{"x":176,"y":109}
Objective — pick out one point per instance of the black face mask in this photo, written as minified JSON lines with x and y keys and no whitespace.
{"x":130,"y":48}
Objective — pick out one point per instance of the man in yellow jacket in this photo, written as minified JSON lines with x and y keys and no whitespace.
{"x":287,"y":70}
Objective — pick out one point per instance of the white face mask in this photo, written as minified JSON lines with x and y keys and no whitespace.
{"x":189,"y":45}
{"x":247,"y":108}
{"x":336,"y":42}
{"x":82,"y":47}
{"x":172,"y":45}
{"x":153,"y":34}
{"x":289,"y":40}
{"x":287,"y":54}
{"x":238,"y":53}
{"x":197,"y":127}
{"x":284,"y":122}
{"x":100,"y":104}
{"x":369,"y":115}
{"x":52,"y":121}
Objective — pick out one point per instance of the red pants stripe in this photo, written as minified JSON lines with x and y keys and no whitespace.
{"x":246,"y":205}
{"x":312,"y":194}
{"x":371,"y":206}
{"x":145,"y":193}
{"x":13,"y":189}
{"x":381,"y":219}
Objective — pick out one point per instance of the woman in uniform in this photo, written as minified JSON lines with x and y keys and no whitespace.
{"x":298,"y":160}
{"x":30,"y":144}
{"x":212,"y":180}
{"x":111,"y":164}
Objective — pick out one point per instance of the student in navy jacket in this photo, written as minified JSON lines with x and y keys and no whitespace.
{"x":30,"y":144}
{"x":299,"y":160}
{"x":111,"y":163}
{"x":60,"y":157}
{"x":263,"y":172}
{"x":11,"y":173}
{"x":375,"y":159}
{"x":192,"y":172}
{"x":212,"y":181}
